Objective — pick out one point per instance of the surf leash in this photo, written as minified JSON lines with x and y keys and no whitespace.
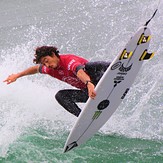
{"x":153,"y":14}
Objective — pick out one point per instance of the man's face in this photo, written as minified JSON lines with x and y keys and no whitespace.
{"x":50,"y":61}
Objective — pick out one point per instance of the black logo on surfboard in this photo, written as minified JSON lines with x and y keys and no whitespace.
{"x":103,"y":104}
{"x":125,"y":93}
{"x":122,"y":73}
{"x":116,"y":65}
{"x":125,"y":69}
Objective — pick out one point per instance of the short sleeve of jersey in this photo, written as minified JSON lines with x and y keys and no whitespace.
{"x":74,"y":64}
{"x":40,"y":69}
{"x":43,"y":69}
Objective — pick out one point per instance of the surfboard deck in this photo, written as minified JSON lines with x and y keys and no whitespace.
{"x":111,"y":89}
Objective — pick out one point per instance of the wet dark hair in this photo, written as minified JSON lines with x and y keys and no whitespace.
{"x":44,"y":51}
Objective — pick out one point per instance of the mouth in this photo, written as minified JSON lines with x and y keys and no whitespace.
{"x":52,"y":66}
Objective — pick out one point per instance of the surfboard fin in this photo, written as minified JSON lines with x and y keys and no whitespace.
{"x":143,"y":39}
{"x":146,"y":55}
{"x":125,"y":55}
{"x":70,"y":146}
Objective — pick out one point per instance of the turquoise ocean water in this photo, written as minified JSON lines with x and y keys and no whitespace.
{"x":33,"y":127}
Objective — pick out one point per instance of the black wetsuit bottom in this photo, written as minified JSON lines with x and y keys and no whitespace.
{"x":69,"y":97}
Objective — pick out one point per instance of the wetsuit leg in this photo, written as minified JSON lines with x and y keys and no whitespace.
{"x":68,"y":98}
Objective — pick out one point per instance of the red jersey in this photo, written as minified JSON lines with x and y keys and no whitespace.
{"x":66,"y":71}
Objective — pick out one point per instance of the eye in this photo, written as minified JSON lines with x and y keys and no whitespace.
{"x":45,"y":61}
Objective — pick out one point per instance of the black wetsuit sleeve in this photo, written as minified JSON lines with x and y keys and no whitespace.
{"x":96,"y":69}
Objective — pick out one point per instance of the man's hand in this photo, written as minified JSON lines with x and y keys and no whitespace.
{"x":86,"y":79}
{"x":11,"y":78}
{"x":29,"y":71}
{"x":91,"y":90}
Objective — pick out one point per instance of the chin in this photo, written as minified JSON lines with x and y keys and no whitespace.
{"x":54,"y":67}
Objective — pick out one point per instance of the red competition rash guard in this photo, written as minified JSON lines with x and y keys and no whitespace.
{"x":66,"y":71}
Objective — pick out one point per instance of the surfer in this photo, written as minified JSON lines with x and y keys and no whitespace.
{"x":68,"y":68}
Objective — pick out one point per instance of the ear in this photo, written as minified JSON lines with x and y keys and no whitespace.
{"x":53,"y":55}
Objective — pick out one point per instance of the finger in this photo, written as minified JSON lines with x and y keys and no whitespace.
{"x":92,"y":96}
{"x":7,"y":81}
{"x":94,"y":93}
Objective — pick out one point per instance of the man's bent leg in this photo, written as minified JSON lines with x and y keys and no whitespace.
{"x":68,"y":97}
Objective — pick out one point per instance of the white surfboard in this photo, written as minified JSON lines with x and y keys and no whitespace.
{"x":111,"y":89}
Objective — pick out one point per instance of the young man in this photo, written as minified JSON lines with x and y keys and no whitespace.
{"x":69,"y":68}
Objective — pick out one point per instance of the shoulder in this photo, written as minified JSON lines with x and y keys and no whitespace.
{"x":71,"y":61}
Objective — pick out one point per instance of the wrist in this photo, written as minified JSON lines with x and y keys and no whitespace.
{"x":87,"y":82}
{"x":18,"y":75}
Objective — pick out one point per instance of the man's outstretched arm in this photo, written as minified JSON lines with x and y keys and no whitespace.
{"x":13,"y":77}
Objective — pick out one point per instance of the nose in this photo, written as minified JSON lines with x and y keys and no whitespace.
{"x":47,"y":65}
